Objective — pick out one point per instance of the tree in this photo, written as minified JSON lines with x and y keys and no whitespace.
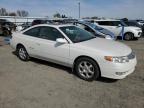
{"x":19,"y":13}
{"x":95,"y":17}
{"x":125,"y":19}
{"x":22,"y":13}
{"x":57,"y":15}
{"x":3,"y":12}
{"x":64,"y":16}
{"x":12,"y":14}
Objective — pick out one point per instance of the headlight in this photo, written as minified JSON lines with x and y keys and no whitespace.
{"x":122,"y":59}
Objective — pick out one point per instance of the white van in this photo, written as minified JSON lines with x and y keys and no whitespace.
{"x":115,"y":26}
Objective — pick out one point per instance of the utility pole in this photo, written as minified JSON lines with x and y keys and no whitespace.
{"x":79,"y":9}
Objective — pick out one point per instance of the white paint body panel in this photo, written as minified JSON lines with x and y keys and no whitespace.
{"x":65,"y":54}
{"x":117,"y":30}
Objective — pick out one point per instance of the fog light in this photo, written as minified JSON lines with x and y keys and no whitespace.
{"x":120,"y":73}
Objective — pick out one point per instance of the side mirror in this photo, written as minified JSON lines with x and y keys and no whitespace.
{"x":61,"y":40}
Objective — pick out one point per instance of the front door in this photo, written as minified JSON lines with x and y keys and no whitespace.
{"x":48,"y":48}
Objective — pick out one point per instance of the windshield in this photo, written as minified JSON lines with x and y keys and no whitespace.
{"x":100,"y":29}
{"x":76,"y":34}
{"x":95,"y":27}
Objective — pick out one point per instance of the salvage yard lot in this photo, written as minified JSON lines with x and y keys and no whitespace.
{"x":40,"y":84}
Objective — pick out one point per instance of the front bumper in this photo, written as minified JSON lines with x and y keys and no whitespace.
{"x":138,"y":34}
{"x":118,"y":70}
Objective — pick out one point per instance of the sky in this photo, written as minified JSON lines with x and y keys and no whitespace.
{"x":102,"y":8}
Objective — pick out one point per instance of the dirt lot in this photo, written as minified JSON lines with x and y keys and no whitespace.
{"x":40,"y":84}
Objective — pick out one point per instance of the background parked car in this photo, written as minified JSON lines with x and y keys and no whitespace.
{"x":141,"y":22}
{"x":6,"y":27}
{"x":94,"y":29}
{"x":23,"y":26}
{"x":115,"y":26}
{"x":41,"y":21}
{"x":135,"y":24}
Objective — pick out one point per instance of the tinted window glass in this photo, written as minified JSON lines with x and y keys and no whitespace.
{"x":33,"y":32}
{"x":109,"y":23}
{"x":50,"y":33}
{"x":115,"y":23}
{"x":106,"y":23}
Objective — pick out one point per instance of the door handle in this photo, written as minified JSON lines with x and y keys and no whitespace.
{"x":31,"y":48}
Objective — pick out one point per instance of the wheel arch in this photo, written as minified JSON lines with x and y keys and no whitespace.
{"x":128,"y":32}
{"x":19,"y":44}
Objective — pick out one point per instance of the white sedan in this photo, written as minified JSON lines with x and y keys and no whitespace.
{"x":90,"y":57}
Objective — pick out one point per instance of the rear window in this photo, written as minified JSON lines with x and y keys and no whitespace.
{"x":33,"y":32}
{"x":106,"y":23}
{"x":109,"y":23}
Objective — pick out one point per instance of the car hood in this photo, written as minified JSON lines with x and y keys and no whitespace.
{"x":134,"y":28}
{"x":104,"y":46}
{"x":106,"y":32}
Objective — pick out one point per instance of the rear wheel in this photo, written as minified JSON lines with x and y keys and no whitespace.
{"x":22,"y":53}
{"x":129,"y":36}
{"x":87,"y":69}
{"x":6,"y":33}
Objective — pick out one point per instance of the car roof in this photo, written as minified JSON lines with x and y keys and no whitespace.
{"x":48,"y":25}
{"x":107,"y":20}
{"x":54,"y":25}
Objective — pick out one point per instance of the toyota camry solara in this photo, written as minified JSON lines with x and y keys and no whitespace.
{"x":90,"y":57}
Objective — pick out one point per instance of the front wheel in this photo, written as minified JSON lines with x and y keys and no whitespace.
{"x":6,"y":33}
{"x":87,"y":69}
{"x":129,"y":36}
{"x":22,"y":53}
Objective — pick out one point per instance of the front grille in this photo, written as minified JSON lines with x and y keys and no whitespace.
{"x":131,"y":56}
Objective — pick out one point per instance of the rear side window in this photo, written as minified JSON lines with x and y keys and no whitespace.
{"x":109,"y":23}
{"x":116,"y":23}
{"x":105,"y":23}
{"x":50,"y":33}
{"x":33,"y":32}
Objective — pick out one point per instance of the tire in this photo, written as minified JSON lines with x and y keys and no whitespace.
{"x":6,"y":33}
{"x":129,"y":36}
{"x":22,"y":53}
{"x":87,"y":69}
{"x":136,"y":38}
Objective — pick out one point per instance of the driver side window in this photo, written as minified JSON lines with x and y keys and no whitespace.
{"x":50,"y":33}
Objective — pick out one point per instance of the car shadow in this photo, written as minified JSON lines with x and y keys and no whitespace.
{"x":14,"y":53}
{"x":47,"y":63}
{"x":120,"y":39}
{"x":66,"y":69}
{"x":106,"y":80}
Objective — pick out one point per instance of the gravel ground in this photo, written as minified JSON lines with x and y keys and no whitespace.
{"x":40,"y":84}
